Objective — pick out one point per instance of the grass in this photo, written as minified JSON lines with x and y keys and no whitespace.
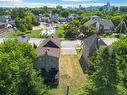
{"x":32,"y":34}
{"x":71,"y":75}
{"x":60,"y":32}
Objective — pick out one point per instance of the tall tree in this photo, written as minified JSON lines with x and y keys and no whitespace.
{"x":17,"y":74}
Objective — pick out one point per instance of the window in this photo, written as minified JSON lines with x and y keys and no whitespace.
{"x":53,"y":69}
{"x":53,"y":59}
{"x":42,"y":69}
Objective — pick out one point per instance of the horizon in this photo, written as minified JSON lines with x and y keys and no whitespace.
{"x":64,"y":3}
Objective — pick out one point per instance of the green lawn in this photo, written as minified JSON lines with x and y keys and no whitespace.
{"x":32,"y":34}
{"x":60,"y":32}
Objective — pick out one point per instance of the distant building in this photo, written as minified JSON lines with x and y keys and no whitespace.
{"x":94,"y":18}
{"x":90,"y":45}
{"x":54,"y":18}
{"x":102,"y":26}
{"x":62,"y":20}
{"x":48,"y":53}
{"x":6,"y":18}
{"x":107,"y":7}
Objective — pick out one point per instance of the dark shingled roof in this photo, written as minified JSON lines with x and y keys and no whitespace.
{"x":91,"y":41}
{"x":53,"y":38}
{"x":50,"y":49}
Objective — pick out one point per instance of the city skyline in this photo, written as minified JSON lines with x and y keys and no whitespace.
{"x":64,"y":3}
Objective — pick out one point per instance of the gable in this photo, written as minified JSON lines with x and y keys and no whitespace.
{"x":51,"y":45}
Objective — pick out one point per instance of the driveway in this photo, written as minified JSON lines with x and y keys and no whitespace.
{"x":69,"y":47}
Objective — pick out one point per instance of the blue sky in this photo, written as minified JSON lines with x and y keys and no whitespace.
{"x":65,"y":3}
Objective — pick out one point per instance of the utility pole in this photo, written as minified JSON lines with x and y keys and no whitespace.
{"x":67,"y":90}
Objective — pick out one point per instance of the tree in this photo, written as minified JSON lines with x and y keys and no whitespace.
{"x":87,"y":31}
{"x":29,"y":83}
{"x":123,"y":8}
{"x":45,"y":8}
{"x":37,"y":11}
{"x":56,"y":11}
{"x":72,"y":29}
{"x":116,"y":20}
{"x":65,"y":13}
{"x":109,"y":76}
{"x":17,"y":74}
{"x":46,"y":15}
{"x":26,"y":23}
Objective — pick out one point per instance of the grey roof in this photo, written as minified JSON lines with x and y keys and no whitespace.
{"x":1,"y":23}
{"x":90,"y":22}
{"x":92,"y":41}
{"x":106,"y":23}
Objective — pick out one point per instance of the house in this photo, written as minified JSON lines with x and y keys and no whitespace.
{"x":94,"y":18}
{"x":54,"y":18}
{"x":90,"y":45}
{"x":48,"y":53}
{"x":62,"y":20}
{"x":6,"y":18}
{"x":44,"y":19}
{"x":102,"y":26}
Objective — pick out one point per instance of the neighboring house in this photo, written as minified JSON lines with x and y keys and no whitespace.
{"x":44,"y":19}
{"x":6,"y":18}
{"x":90,"y":45}
{"x":102,"y":26}
{"x":54,"y":18}
{"x":62,"y":20}
{"x":48,"y":53}
{"x":95,"y":18}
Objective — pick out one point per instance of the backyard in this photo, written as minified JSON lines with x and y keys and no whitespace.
{"x":71,"y":75}
{"x":30,"y":34}
{"x":60,"y":31}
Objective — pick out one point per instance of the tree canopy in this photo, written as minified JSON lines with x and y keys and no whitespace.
{"x":108,"y":73}
{"x":17,"y":74}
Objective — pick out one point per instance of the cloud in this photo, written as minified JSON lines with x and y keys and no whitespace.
{"x":76,"y":0}
{"x":10,"y":0}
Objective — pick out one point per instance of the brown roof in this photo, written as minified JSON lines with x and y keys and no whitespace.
{"x":52,"y":38}
{"x":51,"y":51}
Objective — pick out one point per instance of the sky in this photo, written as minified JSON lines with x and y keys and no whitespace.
{"x":64,"y":3}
